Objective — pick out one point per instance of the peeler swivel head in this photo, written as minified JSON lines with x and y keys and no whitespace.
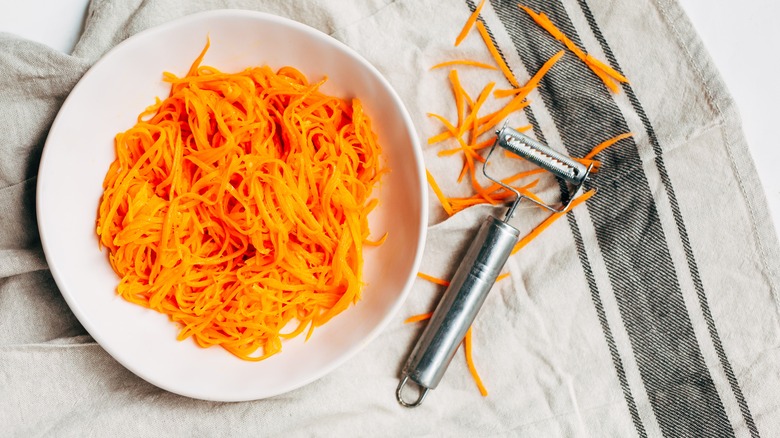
{"x":561,"y":165}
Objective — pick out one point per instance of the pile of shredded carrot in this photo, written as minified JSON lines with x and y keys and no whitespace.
{"x":238,"y":206}
{"x":472,"y":132}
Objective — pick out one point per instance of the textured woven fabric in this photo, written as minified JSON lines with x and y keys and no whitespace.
{"x":652,"y":310}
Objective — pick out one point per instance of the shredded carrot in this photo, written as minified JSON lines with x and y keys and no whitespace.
{"x":469,"y":23}
{"x":607,"y":144}
{"x":481,"y":99}
{"x":458,"y":92}
{"x":238,"y":206}
{"x":550,"y":220}
{"x":470,"y":363}
{"x":496,"y":56}
{"x":534,"y":81}
{"x":492,"y":120}
{"x":518,"y":102}
{"x":468,"y":62}
{"x":418,"y":318}
{"x":433,"y":279}
{"x":606,"y":73}
{"x":379,"y":242}
{"x":498,"y":94}
{"x":467,"y":348}
{"x":439,"y":194}
{"x":481,"y":145}
{"x":502,"y":276}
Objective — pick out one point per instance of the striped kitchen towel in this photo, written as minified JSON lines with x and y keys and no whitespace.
{"x":651,"y":310}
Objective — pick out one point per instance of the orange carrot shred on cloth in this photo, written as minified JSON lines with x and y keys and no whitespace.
{"x":594,"y":164}
{"x":469,"y":23}
{"x":496,"y":56}
{"x":606,"y":73}
{"x":239,"y":204}
{"x":433,"y":279}
{"x":498,"y":94}
{"x":607,"y":144}
{"x":467,"y":348}
{"x":479,"y":146}
{"x":550,"y":220}
{"x":467,"y":62}
{"x":439,"y":194}
{"x":458,"y":91}
{"x":537,"y":77}
{"x":418,"y":318}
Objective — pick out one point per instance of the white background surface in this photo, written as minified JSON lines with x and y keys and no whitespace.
{"x":743,"y":39}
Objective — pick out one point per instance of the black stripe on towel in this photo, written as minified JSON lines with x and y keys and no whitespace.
{"x":617,"y":362}
{"x":679,"y":222}
{"x":632,"y":241}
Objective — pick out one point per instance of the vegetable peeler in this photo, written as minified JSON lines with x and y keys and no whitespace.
{"x":480,"y":267}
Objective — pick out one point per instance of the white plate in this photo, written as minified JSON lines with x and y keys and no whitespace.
{"x":79,"y":150}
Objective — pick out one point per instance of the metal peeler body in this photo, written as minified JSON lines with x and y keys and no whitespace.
{"x":479,"y":269}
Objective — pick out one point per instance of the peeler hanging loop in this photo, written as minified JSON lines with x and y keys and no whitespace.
{"x":399,"y":394}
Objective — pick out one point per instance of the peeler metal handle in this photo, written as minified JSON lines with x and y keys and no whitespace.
{"x":458,"y":307}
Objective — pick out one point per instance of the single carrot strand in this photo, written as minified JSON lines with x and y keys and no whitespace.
{"x":418,"y":318}
{"x":498,"y":94}
{"x":607,"y":144}
{"x":550,"y":220}
{"x":496,"y":56}
{"x":439,"y":194}
{"x":536,"y":78}
{"x":379,"y":242}
{"x":606,"y":68}
{"x":433,"y":279}
{"x":502,"y":276}
{"x":467,"y":347}
{"x":469,"y":23}
{"x":458,"y":92}
{"x":468,"y":62}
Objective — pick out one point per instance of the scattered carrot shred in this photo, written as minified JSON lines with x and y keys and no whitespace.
{"x":418,"y":318}
{"x":435,"y":187}
{"x":607,"y":74}
{"x":458,"y":91}
{"x":607,"y":144}
{"x":238,"y":206}
{"x":502,"y":276}
{"x":536,"y":78}
{"x":550,"y":220}
{"x":433,"y":279}
{"x":469,"y":23}
{"x":496,"y":56}
{"x":464,"y":62}
{"x":467,"y":348}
